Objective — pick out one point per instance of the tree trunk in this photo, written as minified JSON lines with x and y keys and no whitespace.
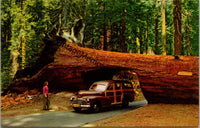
{"x":177,"y":27}
{"x":138,"y":41}
{"x":65,"y":14}
{"x":188,"y":37}
{"x":163,"y":29}
{"x":23,"y":38}
{"x":163,"y":79}
{"x":6,"y":38}
{"x":141,"y":44}
{"x":15,"y":64}
{"x":105,"y":47}
{"x":156,"y":36}
{"x":123,"y":28}
{"x":156,"y":29}
{"x":23,"y":52}
{"x":146,"y":38}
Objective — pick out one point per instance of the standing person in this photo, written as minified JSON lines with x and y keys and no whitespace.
{"x":46,"y":96}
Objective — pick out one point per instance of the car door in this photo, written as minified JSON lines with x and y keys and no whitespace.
{"x":118,"y":92}
{"x":128,"y":91}
{"x":110,"y":93}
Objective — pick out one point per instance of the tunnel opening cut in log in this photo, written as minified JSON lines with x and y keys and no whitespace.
{"x":163,"y":79}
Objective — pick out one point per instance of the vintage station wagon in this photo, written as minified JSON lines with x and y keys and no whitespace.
{"x":104,"y":94}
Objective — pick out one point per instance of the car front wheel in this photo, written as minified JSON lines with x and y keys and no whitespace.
{"x":125,"y":103}
{"x":96,"y":107}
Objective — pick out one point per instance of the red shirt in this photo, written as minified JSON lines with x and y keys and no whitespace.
{"x":45,"y":90}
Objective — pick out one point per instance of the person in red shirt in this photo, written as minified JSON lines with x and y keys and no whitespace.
{"x":46,"y":96}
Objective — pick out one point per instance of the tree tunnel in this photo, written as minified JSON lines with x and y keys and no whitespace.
{"x":163,"y":79}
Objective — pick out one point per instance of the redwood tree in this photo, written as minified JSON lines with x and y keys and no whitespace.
{"x":163,"y":29}
{"x":105,"y":47}
{"x":177,"y":27}
{"x":123,"y":28}
{"x":156,"y":29}
{"x":188,"y":37}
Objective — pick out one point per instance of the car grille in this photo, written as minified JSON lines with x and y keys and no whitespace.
{"x":79,"y":101}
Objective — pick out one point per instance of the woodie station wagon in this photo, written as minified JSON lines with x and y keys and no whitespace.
{"x":104,"y":94}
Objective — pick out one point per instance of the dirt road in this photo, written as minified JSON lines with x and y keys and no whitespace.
{"x":154,"y":115}
{"x":66,"y":118}
{"x":150,"y":115}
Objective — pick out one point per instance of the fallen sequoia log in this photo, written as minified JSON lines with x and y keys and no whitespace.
{"x":163,"y":79}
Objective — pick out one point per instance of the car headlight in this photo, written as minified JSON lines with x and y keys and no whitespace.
{"x":72,"y":98}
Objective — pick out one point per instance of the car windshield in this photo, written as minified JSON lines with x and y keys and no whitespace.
{"x":98,"y":87}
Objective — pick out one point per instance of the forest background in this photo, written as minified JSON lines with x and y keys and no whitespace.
{"x":162,"y":27}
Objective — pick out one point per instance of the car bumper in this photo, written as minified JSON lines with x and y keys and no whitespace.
{"x":81,"y":105}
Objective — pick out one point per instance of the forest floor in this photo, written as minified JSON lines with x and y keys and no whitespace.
{"x":149,"y":115}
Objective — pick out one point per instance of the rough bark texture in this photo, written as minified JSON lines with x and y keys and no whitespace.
{"x":105,"y":47}
{"x":164,"y":46}
{"x":156,"y":36}
{"x":177,"y":27}
{"x":156,"y":29}
{"x":188,"y":37}
{"x":164,"y":79}
{"x":123,"y":28}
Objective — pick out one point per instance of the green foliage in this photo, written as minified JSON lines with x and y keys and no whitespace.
{"x":190,"y":14}
{"x":32,"y":19}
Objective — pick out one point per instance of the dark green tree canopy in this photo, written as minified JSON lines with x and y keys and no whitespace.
{"x":24,"y":23}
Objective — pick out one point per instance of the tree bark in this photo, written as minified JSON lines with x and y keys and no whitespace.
{"x":146,"y":39}
{"x":156,"y":36}
{"x":65,"y":14}
{"x":105,"y":47}
{"x":156,"y":29}
{"x":163,"y":29}
{"x":123,"y":28}
{"x":138,"y":41}
{"x":177,"y":27}
{"x":23,"y":52}
{"x":23,"y":38}
{"x":188,"y":37}
{"x":15,"y":64}
{"x":163,"y":79}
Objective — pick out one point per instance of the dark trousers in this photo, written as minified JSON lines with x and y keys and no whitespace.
{"x":46,"y":103}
